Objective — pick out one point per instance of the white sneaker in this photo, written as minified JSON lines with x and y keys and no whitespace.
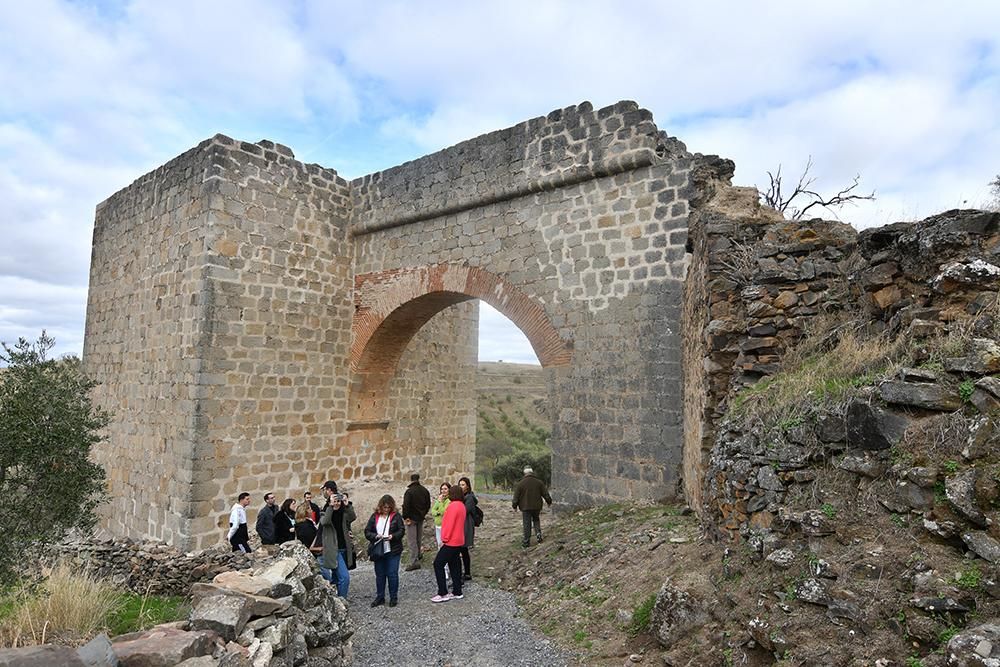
{"x":441,"y":598}
{"x":455,"y":597}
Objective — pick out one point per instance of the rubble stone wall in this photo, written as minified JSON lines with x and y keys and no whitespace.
{"x":930,"y":279}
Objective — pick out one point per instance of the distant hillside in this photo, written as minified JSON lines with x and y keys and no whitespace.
{"x":512,"y":411}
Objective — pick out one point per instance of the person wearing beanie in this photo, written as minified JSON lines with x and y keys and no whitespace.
{"x":416,"y":505}
{"x":528,"y":496}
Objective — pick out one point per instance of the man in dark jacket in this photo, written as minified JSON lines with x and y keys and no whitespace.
{"x":528,"y":496}
{"x":416,"y":505}
{"x":265,"y":520}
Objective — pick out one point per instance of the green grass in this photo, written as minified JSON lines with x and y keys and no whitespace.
{"x":642,"y":615}
{"x":970,"y":578}
{"x":966,"y":389}
{"x":138,"y":612}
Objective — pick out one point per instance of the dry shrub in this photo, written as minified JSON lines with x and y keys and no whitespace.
{"x":936,"y":439}
{"x":821,"y":372}
{"x":68,"y":607}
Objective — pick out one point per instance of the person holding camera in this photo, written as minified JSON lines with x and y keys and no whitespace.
{"x":335,"y":525}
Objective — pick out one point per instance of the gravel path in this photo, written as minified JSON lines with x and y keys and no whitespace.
{"x":484,"y":628}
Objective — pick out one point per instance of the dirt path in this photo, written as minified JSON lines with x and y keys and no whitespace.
{"x":485,"y":628}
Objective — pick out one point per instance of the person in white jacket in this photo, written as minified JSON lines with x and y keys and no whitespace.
{"x":239,"y":536}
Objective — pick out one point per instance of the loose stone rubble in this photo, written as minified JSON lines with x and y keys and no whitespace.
{"x":280,"y":613}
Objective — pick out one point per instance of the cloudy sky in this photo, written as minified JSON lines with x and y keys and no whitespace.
{"x":93,"y":94}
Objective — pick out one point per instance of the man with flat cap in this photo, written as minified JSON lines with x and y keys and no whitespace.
{"x":416,"y":505}
{"x":528,"y":496}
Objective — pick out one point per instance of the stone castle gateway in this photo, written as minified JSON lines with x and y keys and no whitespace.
{"x":259,"y":324}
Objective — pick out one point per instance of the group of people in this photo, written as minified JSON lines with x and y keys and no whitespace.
{"x":326,"y":531}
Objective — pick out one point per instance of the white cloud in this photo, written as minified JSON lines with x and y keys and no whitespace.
{"x":500,"y":339}
{"x":97,"y":94}
{"x":29,"y":306}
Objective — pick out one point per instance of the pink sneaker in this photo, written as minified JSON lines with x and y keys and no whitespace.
{"x":441,"y":598}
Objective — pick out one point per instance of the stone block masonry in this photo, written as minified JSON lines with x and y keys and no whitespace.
{"x":258,"y":324}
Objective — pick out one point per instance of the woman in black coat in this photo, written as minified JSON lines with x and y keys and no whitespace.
{"x":284,"y":522}
{"x":385,"y":533}
{"x":470,"y":525}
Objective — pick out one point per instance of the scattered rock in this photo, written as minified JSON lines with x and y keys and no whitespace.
{"x":938,"y":605}
{"x":983,"y":360}
{"x":974,"y":273}
{"x":870,"y":427}
{"x":981,"y":544}
{"x":223,"y":614}
{"x":946,"y":530}
{"x":920,"y":395}
{"x":863,"y":465}
{"x":98,"y":652}
{"x":782,"y":558}
{"x":760,"y":630}
{"x":243,"y":582}
{"x":812,"y":591}
{"x":816,"y":524}
{"x":924,"y":477}
{"x":975,"y":647}
{"x":916,"y":497}
{"x":41,"y":656}
{"x":675,"y":614}
{"x":981,"y":440}
{"x":960,"y":489}
{"x":163,"y":647}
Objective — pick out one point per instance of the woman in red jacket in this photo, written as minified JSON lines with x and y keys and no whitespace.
{"x":453,"y":539}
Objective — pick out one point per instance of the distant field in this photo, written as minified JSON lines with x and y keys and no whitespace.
{"x":512,"y":413}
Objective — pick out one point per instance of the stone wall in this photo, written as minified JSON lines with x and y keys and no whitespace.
{"x":429,"y":422}
{"x":145,"y":326}
{"x":933,"y":284}
{"x":584,"y":213}
{"x":274,"y":382}
{"x":146,"y":567}
{"x":233,"y":360}
{"x":758,"y":282}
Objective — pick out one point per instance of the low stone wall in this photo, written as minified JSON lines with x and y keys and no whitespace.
{"x":148,"y":567}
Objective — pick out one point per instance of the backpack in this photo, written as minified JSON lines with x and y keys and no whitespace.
{"x":477,"y":516}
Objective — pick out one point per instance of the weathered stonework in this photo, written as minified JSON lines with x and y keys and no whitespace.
{"x":258,"y":324}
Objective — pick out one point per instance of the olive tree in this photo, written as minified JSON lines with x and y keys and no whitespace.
{"x":48,"y":425}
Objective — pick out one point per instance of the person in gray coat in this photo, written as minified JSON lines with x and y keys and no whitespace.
{"x":338,"y":547}
{"x":471,"y":502}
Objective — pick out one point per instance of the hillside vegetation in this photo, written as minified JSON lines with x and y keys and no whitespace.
{"x":513,"y":424}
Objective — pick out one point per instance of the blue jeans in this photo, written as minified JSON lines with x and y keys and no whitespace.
{"x":324,"y":571}
{"x":339,"y":576}
{"x":342,"y":574}
{"x":387,"y":567}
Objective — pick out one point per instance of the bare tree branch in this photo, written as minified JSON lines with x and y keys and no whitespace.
{"x":803,"y":197}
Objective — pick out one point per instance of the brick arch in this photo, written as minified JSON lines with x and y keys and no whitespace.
{"x":391,"y":306}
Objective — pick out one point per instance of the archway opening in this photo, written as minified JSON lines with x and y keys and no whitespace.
{"x":513,"y":421}
{"x":415,"y":399}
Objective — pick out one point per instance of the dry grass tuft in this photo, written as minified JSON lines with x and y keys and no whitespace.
{"x":68,"y":607}
{"x":821,"y":372}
